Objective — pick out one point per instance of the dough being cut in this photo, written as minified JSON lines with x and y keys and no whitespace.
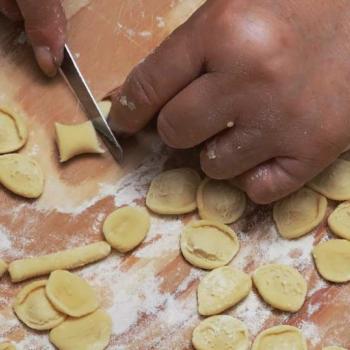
{"x":23,"y":269}
{"x":126,"y":228}
{"x":21,"y":175}
{"x":221,"y":289}
{"x":173,"y":192}
{"x":208,"y":245}
{"x":219,"y":201}
{"x":71,"y":294}
{"x":13,"y":131}
{"x":299,"y":213}
{"x":280,"y":338}
{"x":7,"y":346}
{"x":339,"y":221}
{"x":221,"y":333}
{"x":3,"y":267}
{"x":334,"y":182}
{"x":332,"y":260}
{"x":76,"y":139}
{"x":34,"y":309}
{"x":333,"y":348}
{"x":91,"y":332}
{"x":105,"y":107}
{"x":281,"y":286}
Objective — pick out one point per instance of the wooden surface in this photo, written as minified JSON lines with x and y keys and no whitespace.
{"x":150,"y":293}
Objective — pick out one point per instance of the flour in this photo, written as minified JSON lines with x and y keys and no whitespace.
{"x":5,"y":243}
{"x":311,"y":332}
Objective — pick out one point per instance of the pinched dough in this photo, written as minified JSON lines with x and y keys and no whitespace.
{"x":21,"y":175}
{"x":7,"y":346}
{"x":219,"y":201}
{"x":13,"y":131}
{"x":73,"y":140}
{"x":126,"y":228}
{"x":332,"y":260}
{"x":23,"y":269}
{"x":221,"y":289}
{"x":173,"y":192}
{"x":3,"y":267}
{"x":34,"y":309}
{"x":280,"y":337}
{"x":333,"y":348}
{"x":339,"y":221}
{"x":281,"y":286}
{"x":334,"y":182}
{"x":208,"y":245}
{"x":299,"y":213}
{"x":91,"y":332}
{"x":221,"y":333}
{"x":70,"y":294}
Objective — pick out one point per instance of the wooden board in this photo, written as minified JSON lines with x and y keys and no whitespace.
{"x":151,"y":293}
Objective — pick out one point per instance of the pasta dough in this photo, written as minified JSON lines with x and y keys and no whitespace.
{"x":70,"y":294}
{"x":219,"y":201}
{"x":339,"y":221}
{"x":91,"y":332}
{"x":21,"y":175}
{"x":7,"y":346}
{"x":13,"y":131}
{"x":76,"y":139}
{"x":299,"y":213}
{"x":34,"y":309}
{"x":221,"y":333}
{"x":208,"y":245}
{"x":23,"y":269}
{"x":333,"y":348}
{"x":281,"y":286}
{"x":126,"y":228}
{"x":334,"y":182}
{"x":3,"y":267}
{"x":105,"y":107}
{"x":280,"y":337}
{"x":221,"y":289}
{"x":332,"y":260}
{"x":173,"y":192}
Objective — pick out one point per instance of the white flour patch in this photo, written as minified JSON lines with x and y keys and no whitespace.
{"x":160,"y":22}
{"x":145,"y":34}
{"x":311,"y":332}
{"x":5,"y":243}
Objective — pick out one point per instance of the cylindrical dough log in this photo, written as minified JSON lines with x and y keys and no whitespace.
{"x":3,"y":267}
{"x":23,"y":269}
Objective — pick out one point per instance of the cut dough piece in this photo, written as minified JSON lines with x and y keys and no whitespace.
{"x":71,"y":294}
{"x":3,"y":267}
{"x":299,"y":213}
{"x":21,"y":175}
{"x":333,"y":348}
{"x":23,"y":269}
{"x":91,"y":332}
{"x":332,"y":260}
{"x":126,"y":228}
{"x":7,"y":346}
{"x":334,"y":182}
{"x":34,"y":309}
{"x":221,"y":289}
{"x":339,"y":221}
{"x":173,"y":192}
{"x":219,"y":201}
{"x":221,"y":333}
{"x":13,"y":131}
{"x":281,"y":286}
{"x":76,"y":139}
{"x":208,"y":245}
{"x":280,"y":338}
{"x":105,"y":107}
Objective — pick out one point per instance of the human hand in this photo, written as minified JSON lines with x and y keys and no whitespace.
{"x":45,"y":25}
{"x":278,"y":71}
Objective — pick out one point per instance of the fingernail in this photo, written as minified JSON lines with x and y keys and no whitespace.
{"x":45,"y":60}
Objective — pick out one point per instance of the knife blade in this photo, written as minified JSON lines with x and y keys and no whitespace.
{"x":71,"y":73}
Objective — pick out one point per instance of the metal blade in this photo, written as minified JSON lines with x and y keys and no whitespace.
{"x":70,"y":71}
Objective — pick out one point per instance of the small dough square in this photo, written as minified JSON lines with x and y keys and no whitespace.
{"x":73,"y":140}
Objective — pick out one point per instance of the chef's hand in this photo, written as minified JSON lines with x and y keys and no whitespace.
{"x":278,"y":70}
{"x":45,"y":25}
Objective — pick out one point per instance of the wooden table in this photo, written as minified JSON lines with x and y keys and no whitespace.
{"x":150,"y":293}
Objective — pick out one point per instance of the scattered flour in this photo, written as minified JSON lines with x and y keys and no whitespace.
{"x":5,"y":243}
{"x":311,"y":332}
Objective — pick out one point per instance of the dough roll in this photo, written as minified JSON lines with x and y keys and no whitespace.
{"x":23,"y":269}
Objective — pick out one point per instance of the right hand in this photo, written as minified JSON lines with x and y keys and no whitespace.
{"x":45,"y":26}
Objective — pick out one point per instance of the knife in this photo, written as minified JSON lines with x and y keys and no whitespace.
{"x":71,"y":73}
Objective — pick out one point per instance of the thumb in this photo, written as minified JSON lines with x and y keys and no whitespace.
{"x":45,"y":25}
{"x":156,"y":80}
